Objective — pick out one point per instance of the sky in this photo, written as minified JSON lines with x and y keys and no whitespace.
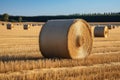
{"x":57,"y":7}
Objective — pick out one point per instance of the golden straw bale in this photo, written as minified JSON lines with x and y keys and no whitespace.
{"x":67,"y":38}
{"x":101,"y":31}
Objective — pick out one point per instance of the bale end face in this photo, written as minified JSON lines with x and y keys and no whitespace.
{"x":79,"y":39}
{"x":92,"y":30}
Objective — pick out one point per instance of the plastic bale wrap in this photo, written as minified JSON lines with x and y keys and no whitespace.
{"x":101,"y":31}
{"x":70,"y":38}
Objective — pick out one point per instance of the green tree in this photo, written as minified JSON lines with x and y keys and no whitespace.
{"x":5,"y":17}
{"x":20,"y":19}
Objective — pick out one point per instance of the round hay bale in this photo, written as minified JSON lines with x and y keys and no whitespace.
{"x":3,"y":24}
{"x":114,"y":26}
{"x":33,"y":25}
{"x":39,"y":24}
{"x":110,"y":26}
{"x":26,"y":26}
{"x":17,"y":24}
{"x":101,"y":31}
{"x":70,"y":38}
{"x":10,"y":26}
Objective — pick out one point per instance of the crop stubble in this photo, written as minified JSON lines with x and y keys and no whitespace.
{"x":20,"y":58}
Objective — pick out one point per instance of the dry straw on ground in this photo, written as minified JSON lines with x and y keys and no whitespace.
{"x":20,"y":58}
{"x":70,"y":38}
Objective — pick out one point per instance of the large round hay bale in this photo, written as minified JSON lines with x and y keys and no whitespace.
{"x":70,"y":38}
{"x":9,"y":26}
{"x":101,"y":31}
{"x":26,"y":26}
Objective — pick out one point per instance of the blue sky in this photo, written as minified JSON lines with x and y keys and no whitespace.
{"x":57,"y":7}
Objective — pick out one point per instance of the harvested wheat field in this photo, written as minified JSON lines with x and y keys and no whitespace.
{"x":20,"y":58}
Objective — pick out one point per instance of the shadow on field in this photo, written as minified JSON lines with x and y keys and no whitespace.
{"x":18,"y":58}
{"x":7,"y":58}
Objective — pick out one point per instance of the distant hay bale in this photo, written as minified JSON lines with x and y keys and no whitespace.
{"x":30,"y":24}
{"x":26,"y":26}
{"x":33,"y":25}
{"x":114,"y":26}
{"x":17,"y":24}
{"x":69,"y":38}
{"x":10,"y":26}
{"x":39,"y":24}
{"x":110,"y":26}
{"x":3,"y":24}
{"x":101,"y":31}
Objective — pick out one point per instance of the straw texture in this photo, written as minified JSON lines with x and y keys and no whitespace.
{"x":92,"y":30}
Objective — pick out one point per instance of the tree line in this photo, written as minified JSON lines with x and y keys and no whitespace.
{"x":93,"y":17}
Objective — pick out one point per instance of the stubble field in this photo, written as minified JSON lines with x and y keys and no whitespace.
{"x":20,"y":58}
